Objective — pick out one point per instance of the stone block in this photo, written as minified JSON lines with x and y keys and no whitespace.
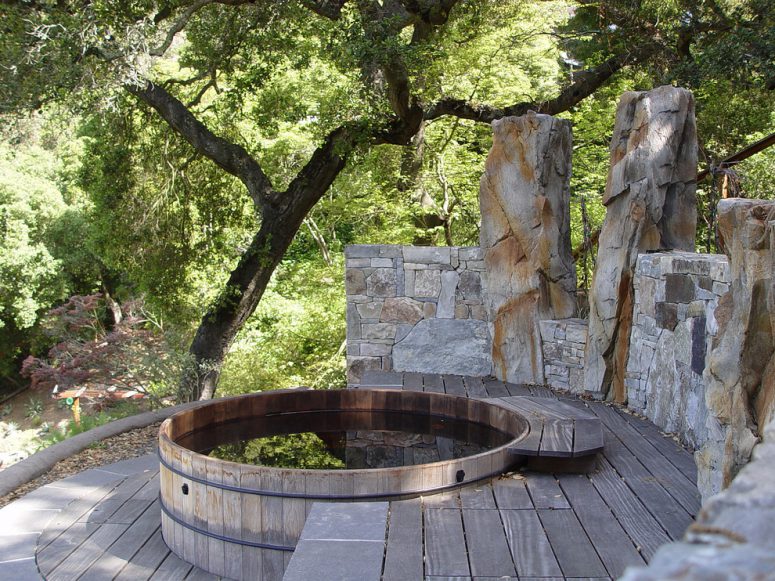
{"x":478,"y":312}
{"x":375,"y":349}
{"x":458,"y":347}
{"x":428,"y":310}
{"x":354,"y":282}
{"x":382,"y":262}
{"x":576,"y":333}
{"x":445,"y":308}
{"x":382,"y":283}
{"x":357,"y":365}
{"x":720,"y":288}
{"x":361,"y":250}
{"x":370,"y":310}
{"x":471,"y":253}
{"x":666,"y":315}
{"x":427,"y":283}
{"x":679,"y":288}
{"x":461,"y":311}
{"x":470,"y":284}
{"x":357,"y":262}
{"x":353,"y":322}
{"x":409,"y":282}
{"x":378,"y":331}
{"x":427,"y":254}
{"x":401,"y":310}
{"x":402,"y":331}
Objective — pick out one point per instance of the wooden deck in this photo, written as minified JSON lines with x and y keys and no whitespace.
{"x":521,"y":526}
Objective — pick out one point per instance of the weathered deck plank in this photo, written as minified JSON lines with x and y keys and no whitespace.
{"x":530,"y":547}
{"x":488,"y":550}
{"x":574,"y":551}
{"x":616,"y":550}
{"x":445,"y":546}
{"x":404,"y":552}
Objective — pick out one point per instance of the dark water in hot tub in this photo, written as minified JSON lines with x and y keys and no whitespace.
{"x":344,"y":440}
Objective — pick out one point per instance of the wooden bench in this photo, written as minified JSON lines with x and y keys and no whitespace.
{"x":562,"y":437}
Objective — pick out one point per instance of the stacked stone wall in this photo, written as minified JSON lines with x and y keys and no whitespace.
{"x":416,"y":308}
{"x":676,"y":295}
{"x":563,"y":343}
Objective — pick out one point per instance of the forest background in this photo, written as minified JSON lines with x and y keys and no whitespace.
{"x":151,"y":152}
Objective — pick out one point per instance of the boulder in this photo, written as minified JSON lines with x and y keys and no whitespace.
{"x":740,"y":376}
{"x":650,"y":205}
{"x":525,"y":236}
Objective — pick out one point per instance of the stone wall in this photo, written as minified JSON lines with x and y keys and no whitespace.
{"x":676,"y":295}
{"x":734,"y":532}
{"x":416,"y":308}
{"x":563,"y":343}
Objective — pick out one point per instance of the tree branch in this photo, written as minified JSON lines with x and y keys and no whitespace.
{"x":587,"y":82}
{"x":182,"y":21}
{"x":328,"y":8}
{"x":435,"y":12}
{"x":231,"y":157}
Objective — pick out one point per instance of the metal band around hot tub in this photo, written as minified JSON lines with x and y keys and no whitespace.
{"x":221,"y":537}
{"x":319,"y":496}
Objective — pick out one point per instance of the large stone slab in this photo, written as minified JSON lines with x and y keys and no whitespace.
{"x":454,"y":346}
{"x":650,"y":205}
{"x":525,"y":235}
{"x":740,"y":376}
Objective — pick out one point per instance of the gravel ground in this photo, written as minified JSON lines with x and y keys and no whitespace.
{"x":122,"y":447}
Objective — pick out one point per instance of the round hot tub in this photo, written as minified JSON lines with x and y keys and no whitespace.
{"x":239,"y":475}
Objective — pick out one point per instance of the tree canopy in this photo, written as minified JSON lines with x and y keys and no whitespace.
{"x":217,"y":132}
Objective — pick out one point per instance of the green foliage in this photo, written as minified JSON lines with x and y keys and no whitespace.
{"x":88,"y":422}
{"x":296,"y":336}
{"x":34,"y":408}
{"x":303,"y":450}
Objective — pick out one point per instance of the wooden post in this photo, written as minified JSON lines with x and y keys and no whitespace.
{"x":77,"y":410}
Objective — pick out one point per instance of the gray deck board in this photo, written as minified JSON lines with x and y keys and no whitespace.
{"x":673,"y":517}
{"x":453,"y":385}
{"x":488,"y":550}
{"x":635,"y":519}
{"x":404,"y":553}
{"x":574,"y":551}
{"x":545,"y":491}
{"x":616,"y":550}
{"x":495,"y":388}
{"x":530,"y":547}
{"x":511,"y":494}
{"x":475,"y":387}
{"x":146,"y":560}
{"x":669,"y":448}
{"x":480,"y":496}
{"x":172,"y":569}
{"x":432,"y":383}
{"x":445,"y":547}
{"x":120,"y":553}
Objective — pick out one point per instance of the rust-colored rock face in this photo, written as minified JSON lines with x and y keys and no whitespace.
{"x":740,"y":376}
{"x":525,"y":234}
{"x":651,"y":205}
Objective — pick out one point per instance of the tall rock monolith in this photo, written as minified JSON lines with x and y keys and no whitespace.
{"x":740,"y":375}
{"x":525,"y":234}
{"x":650,"y":205}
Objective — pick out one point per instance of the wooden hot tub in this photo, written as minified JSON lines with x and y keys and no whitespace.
{"x":242,"y":521}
